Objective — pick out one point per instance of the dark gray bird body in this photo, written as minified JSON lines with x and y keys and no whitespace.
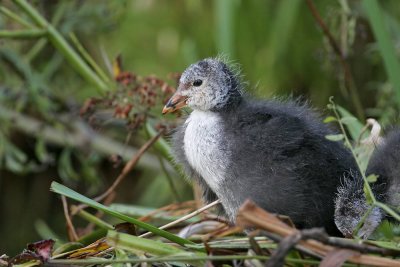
{"x":351,"y":204}
{"x":273,"y":152}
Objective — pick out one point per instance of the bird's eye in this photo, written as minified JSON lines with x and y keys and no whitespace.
{"x":197,"y":82}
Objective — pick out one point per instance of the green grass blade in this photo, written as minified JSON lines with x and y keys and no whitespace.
{"x":95,"y":220}
{"x":385,"y":45}
{"x":133,"y":243}
{"x":65,"y":191}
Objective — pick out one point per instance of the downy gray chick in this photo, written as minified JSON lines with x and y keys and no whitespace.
{"x":273,"y":152}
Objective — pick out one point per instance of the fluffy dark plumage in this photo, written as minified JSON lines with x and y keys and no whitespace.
{"x":351,"y":203}
{"x":276,"y":151}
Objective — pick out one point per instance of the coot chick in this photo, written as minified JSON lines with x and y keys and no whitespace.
{"x":351,"y":203}
{"x":273,"y":152}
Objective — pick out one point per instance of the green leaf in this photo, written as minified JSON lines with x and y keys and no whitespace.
{"x":335,"y":137}
{"x":41,"y":151}
{"x":15,"y":159}
{"x":134,"y":243}
{"x":355,"y":127}
{"x":348,"y":120}
{"x":65,"y":166}
{"x":372,"y":178}
{"x":329,"y":119}
{"x":65,"y":191}
{"x":13,"y":164}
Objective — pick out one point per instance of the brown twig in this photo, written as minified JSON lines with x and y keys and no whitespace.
{"x":299,"y":247}
{"x":286,"y":244}
{"x":127,"y":168}
{"x":349,"y":80}
{"x":70,"y":227}
{"x":321,"y":236}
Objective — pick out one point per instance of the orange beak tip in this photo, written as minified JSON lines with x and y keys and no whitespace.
{"x":176,"y":102}
{"x":166,"y":110}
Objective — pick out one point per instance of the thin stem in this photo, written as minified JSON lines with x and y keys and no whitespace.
{"x":23,"y":34}
{"x":70,"y":226}
{"x":15,"y":17}
{"x":186,"y":217}
{"x":348,"y":144}
{"x":361,"y":222}
{"x":34,"y":51}
{"x":129,"y":166}
{"x":61,"y":44}
{"x":88,"y":58}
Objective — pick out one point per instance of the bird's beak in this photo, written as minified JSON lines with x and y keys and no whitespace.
{"x":177,"y":101}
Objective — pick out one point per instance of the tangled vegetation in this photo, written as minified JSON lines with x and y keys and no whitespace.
{"x":73,"y":111}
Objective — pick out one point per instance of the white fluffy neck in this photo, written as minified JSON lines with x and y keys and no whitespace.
{"x":204,"y":148}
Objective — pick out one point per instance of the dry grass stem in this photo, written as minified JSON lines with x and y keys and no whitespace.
{"x":70,"y":227}
{"x":184,"y":218}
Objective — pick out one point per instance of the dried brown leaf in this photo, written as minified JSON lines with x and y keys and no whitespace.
{"x":42,"y":248}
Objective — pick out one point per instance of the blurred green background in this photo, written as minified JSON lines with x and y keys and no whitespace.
{"x":279,"y":45}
